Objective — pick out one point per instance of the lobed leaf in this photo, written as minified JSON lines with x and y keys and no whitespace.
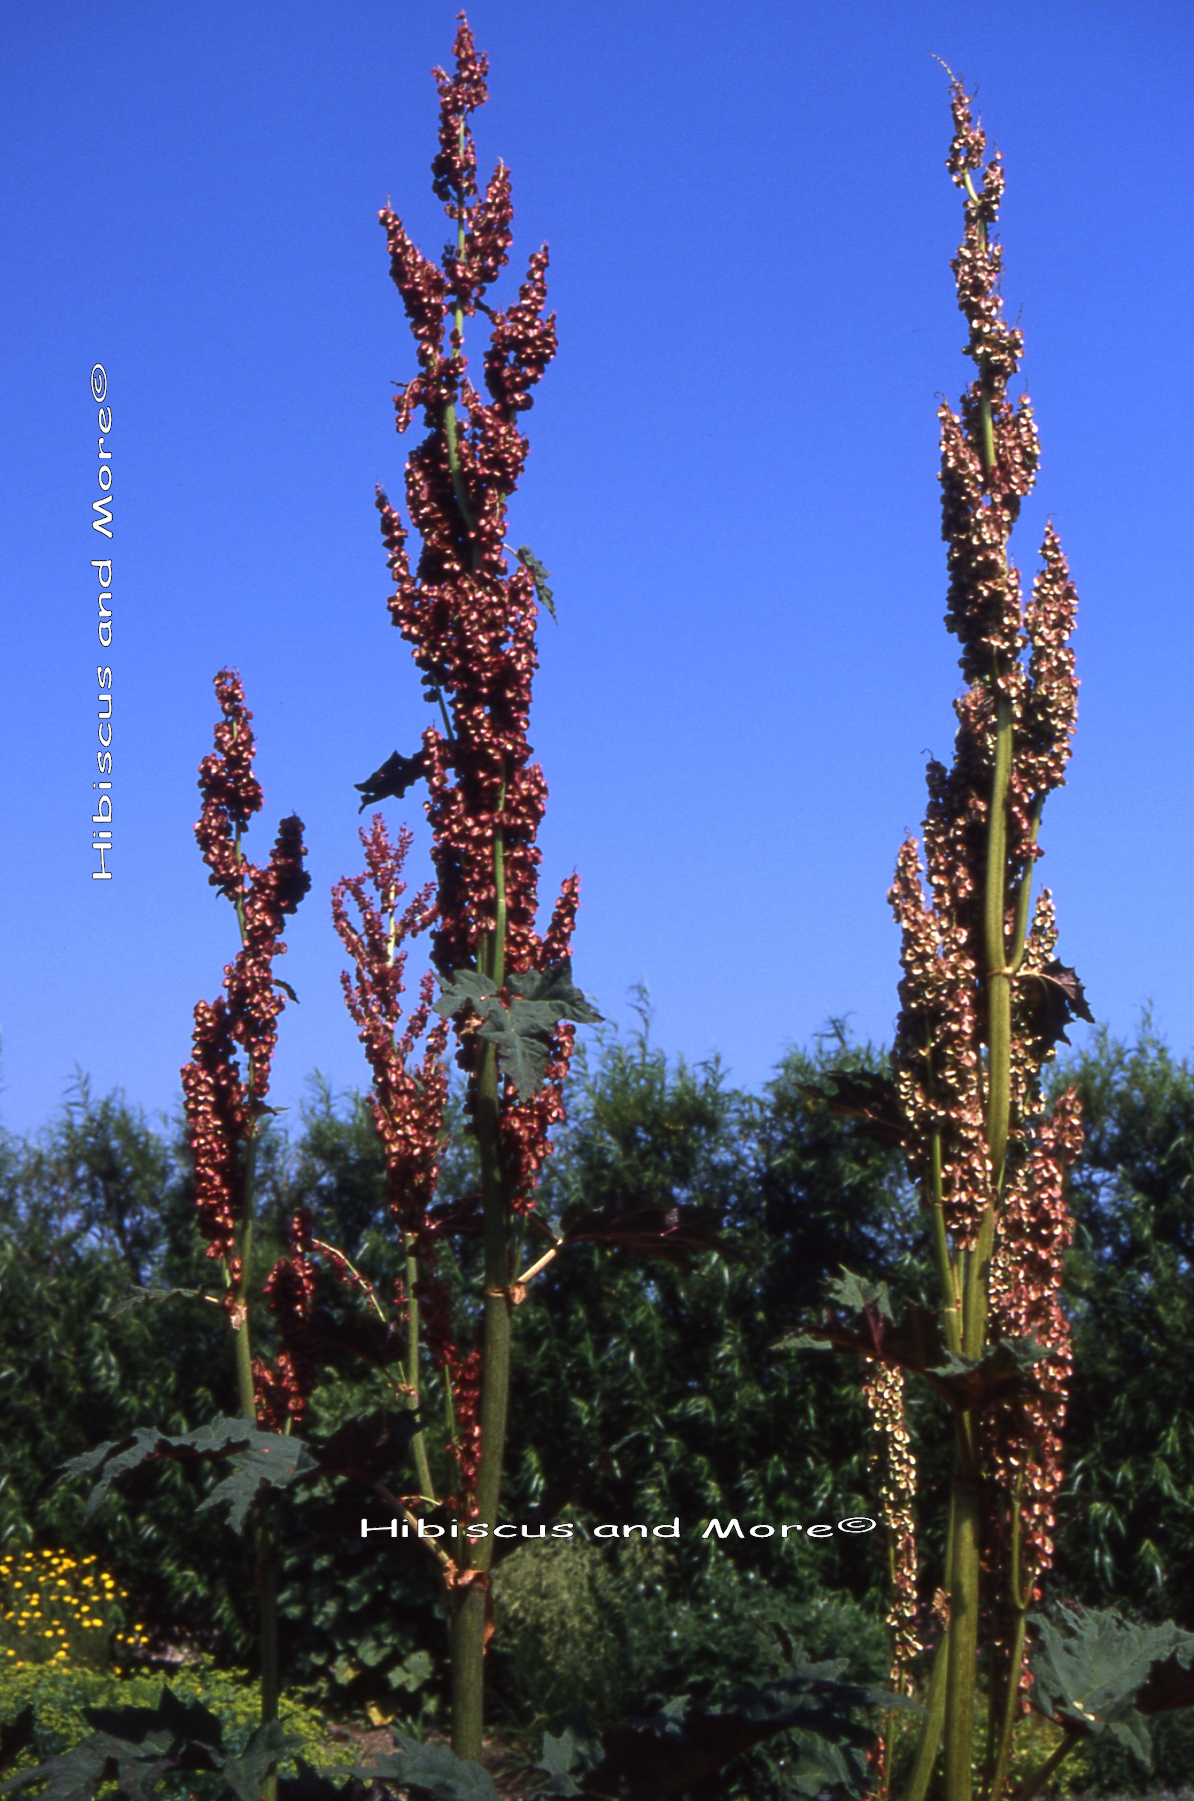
{"x":259,"y":1460}
{"x":432,"y":1768}
{"x":522,"y":1028}
{"x":1090,"y":1665}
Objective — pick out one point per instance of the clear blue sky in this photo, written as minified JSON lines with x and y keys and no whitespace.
{"x":732,"y":480}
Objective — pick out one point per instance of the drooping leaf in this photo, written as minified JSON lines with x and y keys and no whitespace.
{"x":553,"y":990}
{"x":433,"y":1770}
{"x":865,"y":1095}
{"x":74,"y":1775}
{"x":270,"y":1460}
{"x":675,"y":1234}
{"x":1090,"y":1665}
{"x":1000,"y":1373}
{"x":136,"y":1297}
{"x":259,"y":1460}
{"x":540,"y":576}
{"x":917,"y":1344}
{"x":1056,"y":997}
{"x":392,"y":780}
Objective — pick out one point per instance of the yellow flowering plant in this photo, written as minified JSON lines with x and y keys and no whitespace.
{"x":55,"y":1608}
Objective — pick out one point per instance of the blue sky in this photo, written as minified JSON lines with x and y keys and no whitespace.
{"x":732,"y":480}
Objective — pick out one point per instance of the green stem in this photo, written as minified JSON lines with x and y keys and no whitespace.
{"x":266,"y":1559}
{"x":978,"y":1265}
{"x":930,"y":1735}
{"x":999,"y":1031}
{"x":414,"y":1393}
{"x":963,"y":1620}
{"x":1029,"y":1790}
{"x":1019,"y":1602}
{"x":951,"y":1310}
{"x":468,"y":1622}
{"x":451,"y":427}
{"x":1024,"y":895}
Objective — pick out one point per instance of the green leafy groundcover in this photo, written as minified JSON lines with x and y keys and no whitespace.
{"x":56,"y":1699}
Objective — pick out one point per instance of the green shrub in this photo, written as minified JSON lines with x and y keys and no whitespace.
{"x":614,"y":1631}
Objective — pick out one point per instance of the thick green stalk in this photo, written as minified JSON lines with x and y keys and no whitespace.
{"x":963,"y":1620}
{"x":1024,"y":896}
{"x":930,"y":1735}
{"x":1019,"y":1600}
{"x":951,"y":1306}
{"x":413,"y":1391}
{"x":266,"y":1560}
{"x":999,"y":1029}
{"x":468,"y":1623}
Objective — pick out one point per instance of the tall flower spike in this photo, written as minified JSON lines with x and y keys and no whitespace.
{"x":470,"y":619}
{"x":222,"y":1100}
{"x":989,"y":456}
{"x":983,"y":998}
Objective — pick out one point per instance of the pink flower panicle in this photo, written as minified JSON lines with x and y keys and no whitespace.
{"x":989,"y":457}
{"x":222,"y":1099}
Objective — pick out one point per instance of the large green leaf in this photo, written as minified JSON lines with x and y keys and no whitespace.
{"x":433,"y":1769}
{"x":917,"y":1343}
{"x":523,"y":1027}
{"x":1090,"y":1666}
{"x":259,"y":1460}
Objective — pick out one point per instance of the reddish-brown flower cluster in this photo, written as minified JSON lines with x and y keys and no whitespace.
{"x":222,"y":1101}
{"x":408,"y":1103}
{"x":470,"y":620}
{"x":989,"y":460}
{"x":283,"y":1391}
{"x":1035,"y":1231}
